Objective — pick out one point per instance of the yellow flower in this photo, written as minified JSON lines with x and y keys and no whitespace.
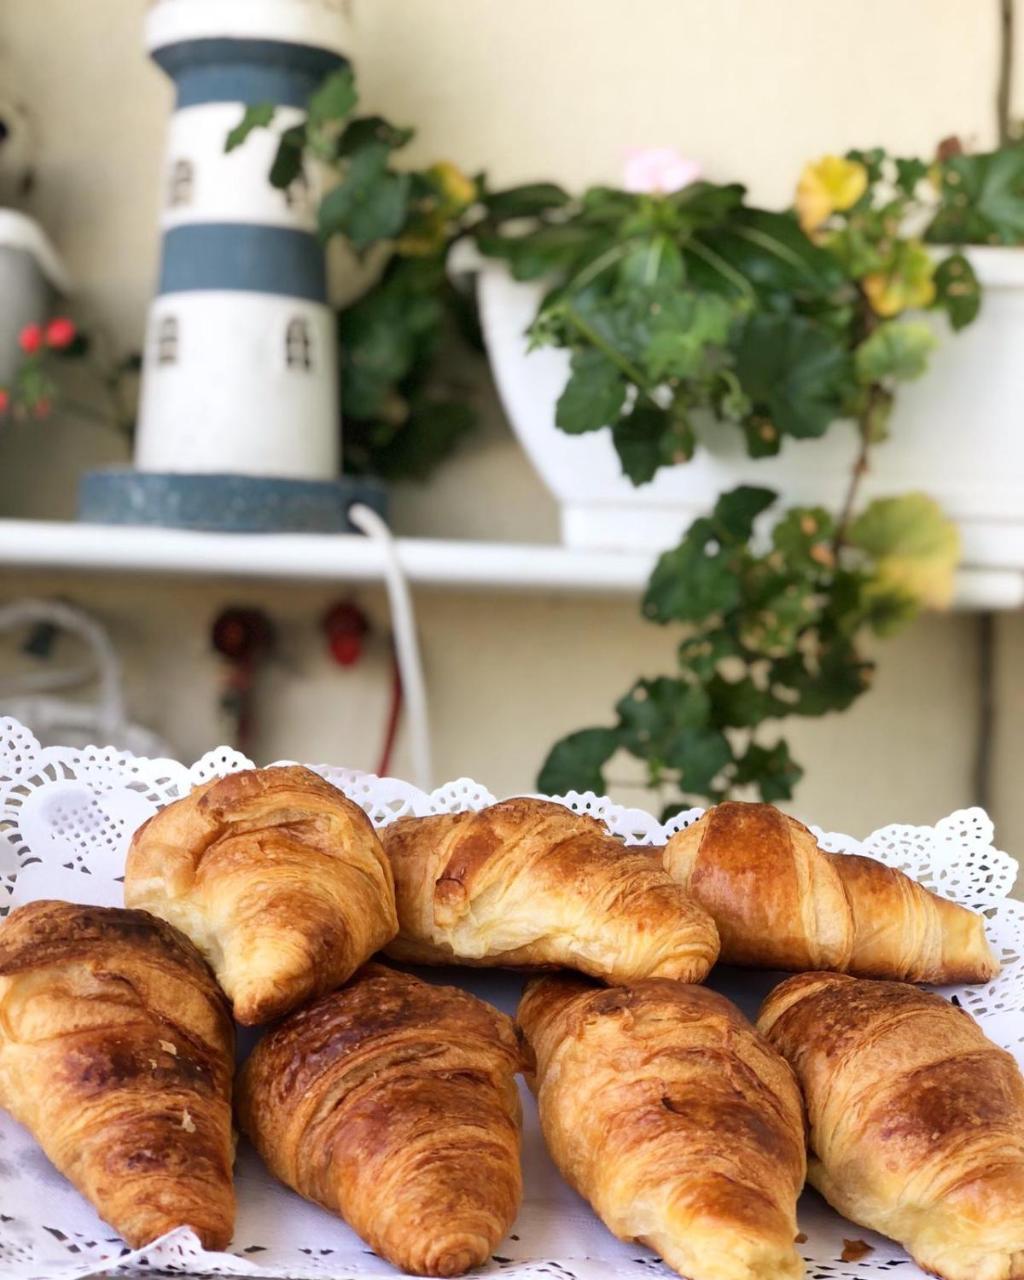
{"x":456,"y":189}
{"x":907,"y":283}
{"x":830,"y":184}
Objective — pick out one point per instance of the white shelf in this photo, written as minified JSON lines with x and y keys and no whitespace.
{"x":503,"y":566}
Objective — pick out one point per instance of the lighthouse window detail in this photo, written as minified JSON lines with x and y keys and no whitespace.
{"x":182,"y":175}
{"x":167,"y":340}
{"x":297,"y":345}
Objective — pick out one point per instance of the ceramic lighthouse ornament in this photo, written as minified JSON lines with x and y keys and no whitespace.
{"x":239,"y":422}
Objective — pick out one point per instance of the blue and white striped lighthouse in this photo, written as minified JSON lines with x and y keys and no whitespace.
{"x":240,"y":365}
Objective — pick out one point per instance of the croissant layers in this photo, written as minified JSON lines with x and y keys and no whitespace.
{"x":917,"y":1120}
{"x":117,"y":1053}
{"x":530,"y":883}
{"x":780,"y":901}
{"x":276,"y":876}
{"x":393,"y":1103}
{"x":683,"y":1128}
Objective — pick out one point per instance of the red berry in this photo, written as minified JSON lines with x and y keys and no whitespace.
{"x":346,"y":647}
{"x":60,"y":332}
{"x":5,"y":399}
{"x":30,"y":339}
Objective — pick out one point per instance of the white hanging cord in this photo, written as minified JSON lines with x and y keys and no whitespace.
{"x":407,"y":649}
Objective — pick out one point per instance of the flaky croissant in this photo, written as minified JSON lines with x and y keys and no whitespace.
{"x":393,"y":1103}
{"x":917,"y":1120}
{"x":683,"y":1128}
{"x":529,"y":883}
{"x":117,"y":1054}
{"x":781,"y":902}
{"x":276,"y":876}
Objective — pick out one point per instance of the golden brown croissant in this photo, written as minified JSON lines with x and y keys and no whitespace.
{"x":393,"y":1103}
{"x":117,"y":1053}
{"x":530,"y":883}
{"x":781,"y":902}
{"x":278,"y":879}
{"x":682,"y":1127}
{"x":917,"y":1120}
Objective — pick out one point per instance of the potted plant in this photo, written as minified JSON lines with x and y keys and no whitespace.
{"x":756,"y":350}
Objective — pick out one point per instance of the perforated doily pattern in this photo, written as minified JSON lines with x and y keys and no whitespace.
{"x":66,"y":817}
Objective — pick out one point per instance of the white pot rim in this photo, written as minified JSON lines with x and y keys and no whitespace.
{"x":996,"y":266}
{"x":19,"y":231}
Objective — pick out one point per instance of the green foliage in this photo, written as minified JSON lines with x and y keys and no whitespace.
{"x":897,"y":349}
{"x":773,"y":627}
{"x":981,"y":199}
{"x":401,"y":416}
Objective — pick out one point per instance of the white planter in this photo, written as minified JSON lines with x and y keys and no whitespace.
{"x":31,"y":275}
{"x":957,"y":434}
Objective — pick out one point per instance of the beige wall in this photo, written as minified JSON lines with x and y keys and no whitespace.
{"x":552,"y":88}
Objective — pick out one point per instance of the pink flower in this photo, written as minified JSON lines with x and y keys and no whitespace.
{"x":658,"y":171}
{"x":5,"y":399}
{"x":30,"y":339}
{"x":60,"y":332}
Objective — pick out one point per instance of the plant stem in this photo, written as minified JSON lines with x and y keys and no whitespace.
{"x":1004,"y":87}
{"x":608,"y":351}
{"x":860,"y":469}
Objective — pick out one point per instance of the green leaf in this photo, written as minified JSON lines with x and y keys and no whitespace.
{"x":794,"y":372}
{"x":372,"y":131}
{"x":914,"y":546}
{"x":804,"y":537}
{"x":640,"y":439}
{"x":257,"y":116}
{"x":287,"y":164}
{"x":651,"y":262}
{"x":370,"y":204}
{"x":872,"y":158}
{"x":982,"y":199}
{"x":735,"y":511}
{"x":527,"y":201}
{"x":771,"y":252}
{"x":897,"y":349}
{"x":740,"y":703}
{"x":594,"y":394}
{"x":682,"y":326}
{"x":654,"y":711}
{"x":772,"y":769}
{"x":814,"y":686}
{"x":694,"y":581}
{"x":430,"y":434}
{"x":576,"y":762}
{"x":701,"y":653}
{"x":909,"y":173}
{"x":334,"y":99}
{"x":774,"y":625}
{"x":957,"y":290}
{"x":699,"y":754}
{"x":550,"y":249}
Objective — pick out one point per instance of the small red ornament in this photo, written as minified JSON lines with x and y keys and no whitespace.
{"x":30,"y":339}
{"x":346,"y":627}
{"x":60,"y":333}
{"x":5,"y":399}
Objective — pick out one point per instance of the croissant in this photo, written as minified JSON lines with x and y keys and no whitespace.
{"x":530,"y":883}
{"x":781,"y":902}
{"x":663,"y":1107}
{"x":117,"y":1053}
{"x":393,"y":1103}
{"x":917,"y":1120}
{"x":278,"y":879}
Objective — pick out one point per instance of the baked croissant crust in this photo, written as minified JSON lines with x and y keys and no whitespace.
{"x":528,"y":883}
{"x":663,"y":1107}
{"x":117,"y":1054}
{"x":276,"y":876}
{"x":782,"y":902}
{"x":393,"y":1103}
{"x":917,"y":1120}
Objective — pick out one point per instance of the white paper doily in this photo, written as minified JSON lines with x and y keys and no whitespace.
{"x":66,"y":817}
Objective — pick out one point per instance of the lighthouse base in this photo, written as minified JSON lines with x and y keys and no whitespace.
{"x":224,"y":503}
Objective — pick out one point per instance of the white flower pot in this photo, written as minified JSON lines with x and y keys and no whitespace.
{"x":957,"y":433}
